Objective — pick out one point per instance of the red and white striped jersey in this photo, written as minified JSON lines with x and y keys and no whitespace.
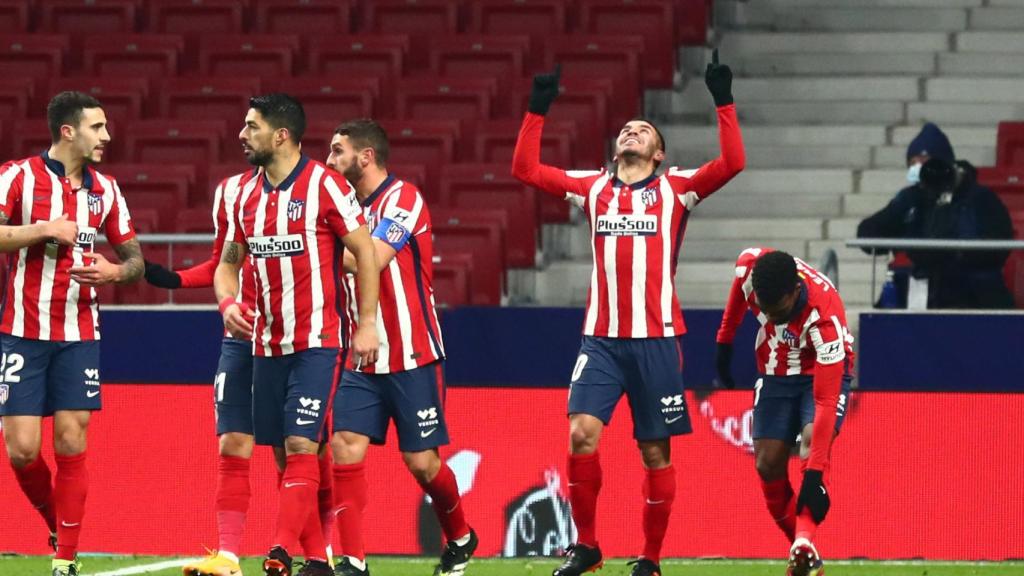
{"x":226,"y":194}
{"x":636,"y":230}
{"x":817,"y":333}
{"x":292,"y":232}
{"x":410,"y":335}
{"x":41,"y":301}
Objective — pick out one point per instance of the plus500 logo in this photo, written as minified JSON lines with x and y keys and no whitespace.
{"x":627,"y":225}
{"x":276,"y":246}
{"x":86,"y":238}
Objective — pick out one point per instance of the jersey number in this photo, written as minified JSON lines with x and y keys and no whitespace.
{"x":218,"y":386}
{"x":10,"y":365}
{"x":757,"y":390}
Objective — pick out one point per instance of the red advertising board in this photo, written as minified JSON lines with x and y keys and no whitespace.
{"x":937,"y":476}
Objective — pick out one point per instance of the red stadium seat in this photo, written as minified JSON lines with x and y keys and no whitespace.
{"x":1010,"y":144}
{"x":16,"y":97}
{"x":380,"y":57}
{"x":464,"y":99}
{"x":86,"y":17}
{"x":197,"y":17}
{"x":145,"y":220}
{"x":490,"y":186}
{"x":14,"y":16}
{"x":417,"y":174}
{"x":175,"y":141}
{"x":303,"y":17}
{"x":132,"y":56}
{"x":421,"y":20}
{"x":602,"y":57}
{"x":248,"y":55}
{"x":692,"y":20}
{"x":210,"y":98}
{"x":194,"y":221}
{"x":35,"y":56}
{"x":451,"y":281}
{"x":181,"y":256}
{"x":166,"y":206}
{"x":427,"y":142}
{"x":175,"y":180}
{"x":203,"y":195}
{"x":498,"y":57}
{"x":331,"y":97}
{"x":123,"y":99}
{"x":584,"y":103}
{"x":653,"y":19}
{"x":29,"y":137}
{"x":538,"y":19}
{"x":481,"y":234}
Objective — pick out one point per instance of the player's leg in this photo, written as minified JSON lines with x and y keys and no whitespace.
{"x":776,"y":425}
{"x":360,"y":417}
{"x":73,"y":392}
{"x":654,"y":387}
{"x":23,"y":395}
{"x":417,"y":399}
{"x":232,"y":388}
{"x":595,"y":387}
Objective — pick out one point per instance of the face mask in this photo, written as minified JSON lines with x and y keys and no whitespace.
{"x":914,"y":174}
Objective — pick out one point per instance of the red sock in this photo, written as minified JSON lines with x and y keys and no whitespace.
{"x":444,"y":495}
{"x":778,"y":495}
{"x":584,"y":486}
{"x":805,"y":524}
{"x":312,"y":537}
{"x":659,"y":492}
{"x":36,"y":483}
{"x":325,"y":497}
{"x":232,"y":501}
{"x":298,"y":497}
{"x":69,"y":492}
{"x":349,"y":503}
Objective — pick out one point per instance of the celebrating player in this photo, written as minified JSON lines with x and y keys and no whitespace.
{"x":405,"y":384}
{"x":289,"y":218}
{"x":633,"y":320}
{"x":804,"y":354}
{"x":51,"y":207}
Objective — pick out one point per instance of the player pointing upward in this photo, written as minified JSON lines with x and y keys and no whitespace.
{"x":633,"y":321}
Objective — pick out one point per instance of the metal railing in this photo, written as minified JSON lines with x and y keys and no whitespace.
{"x":923,"y":244}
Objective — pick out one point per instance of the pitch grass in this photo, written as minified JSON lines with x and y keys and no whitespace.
{"x":392,"y":566}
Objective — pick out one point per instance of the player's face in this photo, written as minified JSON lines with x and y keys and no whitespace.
{"x":344,"y":158}
{"x":257,"y":139}
{"x":639,"y":140}
{"x":91,"y":136}
{"x":780,"y":312}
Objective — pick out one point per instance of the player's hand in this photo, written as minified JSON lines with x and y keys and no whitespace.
{"x":61,"y":230}
{"x":238,"y":320}
{"x":365,"y":344}
{"x":723,"y":365}
{"x":162,"y":277}
{"x":718,"y":77}
{"x":813,"y":495}
{"x":99,"y":273}
{"x":545,"y":90}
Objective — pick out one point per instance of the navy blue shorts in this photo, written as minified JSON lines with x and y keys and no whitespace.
{"x":784,"y":405}
{"x":649,"y":371}
{"x":40,"y":377}
{"x":291,"y":395}
{"x":414,"y":399}
{"x":232,"y":387}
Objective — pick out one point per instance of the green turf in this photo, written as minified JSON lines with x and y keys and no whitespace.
{"x":30,"y":566}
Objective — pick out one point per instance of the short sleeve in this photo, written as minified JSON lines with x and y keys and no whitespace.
{"x":118,"y":226}
{"x":828,"y":338}
{"x":401,"y":217}
{"x":10,"y":189}
{"x":340,"y":206}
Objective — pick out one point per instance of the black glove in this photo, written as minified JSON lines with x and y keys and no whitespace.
{"x":545,"y":90}
{"x":161,"y":277}
{"x":718,"y":77}
{"x":723,"y":364}
{"x":813,"y":495}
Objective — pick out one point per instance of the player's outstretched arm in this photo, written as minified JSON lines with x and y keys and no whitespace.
{"x":237,"y":317}
{"x":365,"y":341}
{"x":61,"y":231}
{"x":735,"y":307}
{"x":828,"y":381}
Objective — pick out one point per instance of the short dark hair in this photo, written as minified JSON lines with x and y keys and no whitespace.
{"x":281,"y":111}
{"x":661,"y":137}
{"x":66,"y":108}
{"x":774,"y":277}
{"x":366,"y":133}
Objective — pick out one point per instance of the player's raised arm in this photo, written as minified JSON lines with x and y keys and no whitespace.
{"x":732,"y":158}
{"x":526,"y":165}
{"x":237,"y":316}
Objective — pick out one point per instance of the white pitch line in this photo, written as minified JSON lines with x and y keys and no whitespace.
{"x":146,"y":568}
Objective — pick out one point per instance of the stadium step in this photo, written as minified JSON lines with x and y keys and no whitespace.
{"x":753,"y":181}
{"x":883,"y":181}
{"x":838,"y":63}
{"x":734,"y":42}
{"x":1005,"y":42}
{"x":974,"y":90}
{"x":963,"y":113}
{"x":816,"y":157}
{"x":997,"y":18}
{"x":727,"y":204}
{"x":958,"y":135}
{"x":863,"y":205}
{"x":886,"y":156}
{"x":978,"y":64}
{"x":700,"y":136}
{"x":880,"y":19}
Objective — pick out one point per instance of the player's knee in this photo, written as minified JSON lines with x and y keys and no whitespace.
{"x":69,"y":441}
{"x":22,"y":456}
{"x":768,"y":468}
{"x":583,"y":436}
{"x":237,"y":445}
{"x":299,"y":445}
{"x":655,"y":454}
{"x":349,"y":448}
{"x":422,"y":465}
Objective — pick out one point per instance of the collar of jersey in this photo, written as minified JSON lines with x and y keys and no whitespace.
{"x":57,"y":168}
{"x":287,"y":182}
{"x":635,"y":185}
{"x":380,"y":190}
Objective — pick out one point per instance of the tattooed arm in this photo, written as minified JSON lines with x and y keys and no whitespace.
{"x":237,"y":317}
{"x":98,"y":271}
{"x":132,"y":264}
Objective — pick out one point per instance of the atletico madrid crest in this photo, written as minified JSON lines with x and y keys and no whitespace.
{"x":649,"y":196}
{"x":95,"y":204}
{"x":295,"y":209}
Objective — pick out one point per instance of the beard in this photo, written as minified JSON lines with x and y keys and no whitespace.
{"x":257,"y":158}
{"x":353,"y":173}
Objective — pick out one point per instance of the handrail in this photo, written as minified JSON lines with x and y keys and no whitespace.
{"x":925,"y":244}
